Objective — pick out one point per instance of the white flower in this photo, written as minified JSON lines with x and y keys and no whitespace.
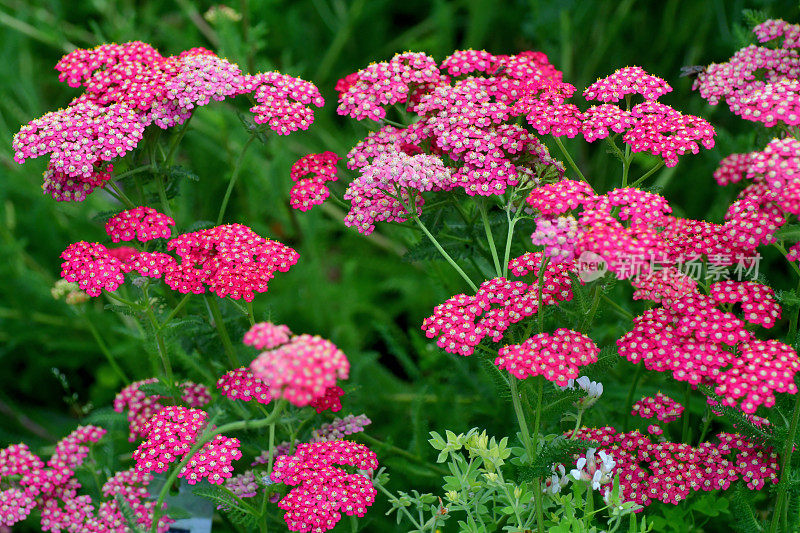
{"x":593,"y":390}
{"x":595,"y":469}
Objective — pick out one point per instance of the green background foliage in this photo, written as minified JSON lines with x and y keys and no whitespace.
{"x":359,"y":292}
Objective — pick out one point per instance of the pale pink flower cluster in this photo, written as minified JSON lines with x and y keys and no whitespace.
{"x":392,"y":184}
{"x":311,"y":191}
{"x":463,"y":321}
{"x":301,"y":370}
{"x":340,"y":428}
{"x":323,"y":491}
{"x":669,"y":472}
{"x":385,"y":83}
{"x":141,"y":223}
{"x":283,"y":102}
{"x":557,"y":356}
{"x":469,"y":120}
{"x":759,"y":83}
{"x":140,"y":406}
{"x":130,"y":86}
{"x":52,"y":489}
{"x":266,"y":335}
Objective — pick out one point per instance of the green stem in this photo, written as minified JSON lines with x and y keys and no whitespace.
{"x":539,"y":283}
{"x":216,"y":314}
{"x":786,"y":458}
{"x":444,"y":253}
{"x":570,"y":160}
{"x":251,"y":317}
{"x":104,"y":348}
{"x":234,"y":175}
{"x":137,"y":170}
{"x":512,"y":222}
{"x":626,"y":165}
{"x":205,"y":438}
{"x":402,"y":508}
{"x":617,"y":307}
{"x":536,"y":427}
{"x":706,"y":425}
{"x":125,"y":200}
{"x":123,"y":301}
{"x":520,"y":414}
{"x":162,"y":195}
{"x":490,"y":237}
{"x":161,"y":345}
{"x":687,"y":398}
{"x":176,"y":309}
{"x":631,"y":391}
{"x":176,"y":141}
{"x":648,"y":173}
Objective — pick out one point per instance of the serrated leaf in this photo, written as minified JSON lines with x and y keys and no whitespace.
{"x":156,"y":389}
{"x":127,"y":513}
{"x":790,"y":232}
{"x":181,"y":172}
{"x":121,"y":309}
{"x":178,"y":513}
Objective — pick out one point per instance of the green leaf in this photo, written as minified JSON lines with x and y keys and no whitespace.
{"x":790,"y":232}
{"x":127,"y":513}
{"x":156,"y":389}
{"x":178,"y":513}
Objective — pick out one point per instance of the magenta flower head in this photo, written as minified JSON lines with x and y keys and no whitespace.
{"x":311,"y":191}
{"x":229,"y":260}
{"x":301,"y":370}
{"x":92,"y":268}
{"x":171,"y":433}
{"x":557,"y":357}
{"x":241,"y":384}
{"x":324,"y":492}
{"x":627,"y":81}
{"x":140,"y":223}
{"x":660,"y":406}
{"x":141,"y":407}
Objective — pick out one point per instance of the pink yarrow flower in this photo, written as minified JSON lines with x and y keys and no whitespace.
{"x":140,"y":223}
{"x":323,"y":491}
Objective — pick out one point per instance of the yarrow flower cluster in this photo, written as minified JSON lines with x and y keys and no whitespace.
{"x":241,"y":384}
{"x":689,"y":338}
{"x":229,"y":260}
{"x":557,"y":357}
{"x":323,"y":492}
{"x":170,"y":435}
{"x":463,"y":321}
{"x":302,"y":370}
{"x":53,"y":490}
{"x":130,"y":86}
{"x":759,"y":83}
{"x":669,"y":472}
{"x":140,"y":223}
{"x":660,"y":406}
{"x":141,"y":406}
{"x":340,"y":428}
{"x":311,"y":191}
{"x":468,"y":120}
{"x":391,"y":186}
{"x":266,"y":335}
